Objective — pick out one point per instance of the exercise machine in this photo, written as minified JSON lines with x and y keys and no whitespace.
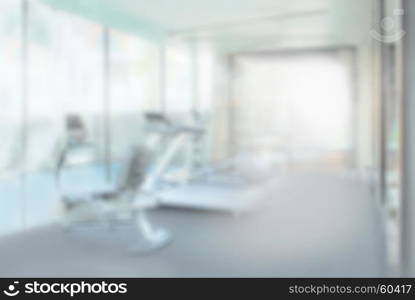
{"x":136,"y":189}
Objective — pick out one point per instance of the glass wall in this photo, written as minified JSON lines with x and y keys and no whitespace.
{"x":134,"y":90}
{"x":65,"y":79}
{"x":10,"y":73}
{"x":65,"y":89}
{"x":204,"y":70}
{"x":10,"y":115}
{"x":189,"y":71}
{"x":179,"y":100}
{"x":64,"y":82}
{"x":179,"y":79}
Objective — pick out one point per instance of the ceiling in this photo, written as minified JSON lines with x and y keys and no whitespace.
{"x":186,"y":14}
{"x":228,"y":21}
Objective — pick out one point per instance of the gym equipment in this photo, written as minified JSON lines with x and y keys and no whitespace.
{"x":137,"y":186}
{"x":115,"y":203}
{"x":216,"y":187}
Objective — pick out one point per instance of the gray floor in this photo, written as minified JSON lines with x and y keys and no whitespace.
{"x":307,"y":226}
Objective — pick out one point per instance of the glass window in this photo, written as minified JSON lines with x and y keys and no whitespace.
{"x":10,"y":84}
{"x":10,"y":116}
{"x":65,"y":81}
{"x":134,"y":76}
{"x":179,"y":101}
{"x":64,"y":106}
{"x":65,"y":76}
{"x":179,"y":80}
{"x":307,"y":127}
